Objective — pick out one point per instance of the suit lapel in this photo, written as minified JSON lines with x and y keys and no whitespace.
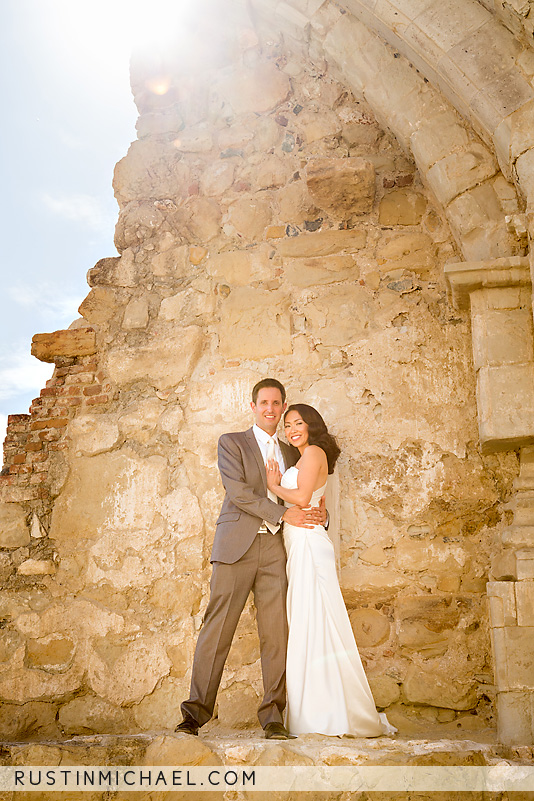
{"x":287,"y":453}
{"x":251,"y":439}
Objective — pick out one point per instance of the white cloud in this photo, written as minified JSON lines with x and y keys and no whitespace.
{"x":46,"y":301}
{"x":85,"y":209}
{"x":21,"y":373}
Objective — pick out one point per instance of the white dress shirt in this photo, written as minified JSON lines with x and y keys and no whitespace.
{"x":263,"y":439}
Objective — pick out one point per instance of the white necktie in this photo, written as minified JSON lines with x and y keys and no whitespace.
{"x":271,"y":454}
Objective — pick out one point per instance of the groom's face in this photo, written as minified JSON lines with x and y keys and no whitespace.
{"x":268,"y":409}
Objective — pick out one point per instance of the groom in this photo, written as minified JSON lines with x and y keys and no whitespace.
{"x":248,"y":554}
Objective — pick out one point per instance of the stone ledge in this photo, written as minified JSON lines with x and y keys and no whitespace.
{"x":65,"y":343}
{"x":232,"y":747}
{"x":465,"y":277}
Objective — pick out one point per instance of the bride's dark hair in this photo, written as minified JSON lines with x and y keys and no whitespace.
{"x":318,"y":433}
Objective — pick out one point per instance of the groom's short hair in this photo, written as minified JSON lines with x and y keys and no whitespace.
{"x":268,"y":382}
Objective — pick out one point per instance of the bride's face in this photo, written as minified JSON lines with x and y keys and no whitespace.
{"x":295,"y":429}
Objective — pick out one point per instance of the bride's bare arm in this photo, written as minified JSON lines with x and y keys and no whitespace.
{"x":311,"y":464}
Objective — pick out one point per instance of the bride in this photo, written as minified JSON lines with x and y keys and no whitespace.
{"x":327,"y":690}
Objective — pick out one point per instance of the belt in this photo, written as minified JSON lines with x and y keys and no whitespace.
{"x":264,"y":530}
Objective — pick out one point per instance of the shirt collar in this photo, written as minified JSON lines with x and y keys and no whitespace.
{"x":262,"y":435}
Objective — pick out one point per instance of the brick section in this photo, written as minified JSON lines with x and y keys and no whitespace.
{"x":30,"y":438}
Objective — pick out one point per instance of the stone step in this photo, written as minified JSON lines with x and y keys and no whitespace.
{"x":249,"y":747}
{"x":234,"y":750}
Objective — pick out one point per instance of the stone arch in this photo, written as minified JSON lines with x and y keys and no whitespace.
{"x":433,"y":122}
{"x":441,"y":75}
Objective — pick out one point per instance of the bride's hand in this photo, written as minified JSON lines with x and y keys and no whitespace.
{"x":274,"y":475}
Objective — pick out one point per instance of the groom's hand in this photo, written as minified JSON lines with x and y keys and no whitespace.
{"x":296,"y":516}
{"x":323,"y":517}
{"x":306,"y":518}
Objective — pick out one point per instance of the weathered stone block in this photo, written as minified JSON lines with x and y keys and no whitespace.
{"x":370,"y":627}
{"x":515,"y":711}
{"x":316,"y":125}
{"x":272,"y":173}
{"x":37,"y":567}
{"x":197,"y":254}
{"x":140,"y":420}
{"x":101,"y":305}
{"x":255,"y":324}
{"x":53,"y":652}
{"x":402,"y":207}
{"x":240,"y":267}
{"x":176,"y":595}
{"x":121,"y":271}
{"x":343,"y":187}
{"x":138,"y":220}
{"x":171,"y":421}
{"x":14,"y":532}
{"x":399,"y":251}
{"x":92,"y":433}
{"x":250,"y":217}
{"x":202,"y":219}
{"x":525,"y":563}
{"x":385,"y":690}
{"x":505,"y":401}
{"x":476,"y":217}
{"x":322,"y":243}
{"x":189,"y":307}
{"x":217,"y":178}
{"x":171,"y":263}
{"x":151,"y":169}
{"x":22,"y":684}
{"x":135,"y":314}
{"x":157,"y":123}
{"x":502,"y":603}
{"x":29,"y":721}
{"x":130,"y":676}
{"x":319,"y":270}
{"x":165,"y":359}
{"x":438,"y":688}
{"x":415,"y":635}
{"x":436,"y":137}
{"x":88,"y":714}
{"x":197,"y":139}
{"x":500,"y":336}
{"x":513,"y":650}
{"x":180,"y":749}
{"x":258,"y":89}
{"x":238,"y":706}
{"x":115,"y":491}
{"x":161,"y":709}
{"x":339,"y":315}
{"x":71,"y":342}
{"x":457,"y":172}
{"x":524,"y":593}
{"x":434,"y":555}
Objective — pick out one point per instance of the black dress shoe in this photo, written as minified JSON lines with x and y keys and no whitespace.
{"x":188,"y":726}
{"x":277,"y":731}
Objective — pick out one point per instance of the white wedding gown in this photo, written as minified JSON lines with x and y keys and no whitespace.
{"x":327,"y":690}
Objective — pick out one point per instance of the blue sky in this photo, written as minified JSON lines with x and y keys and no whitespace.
{"x":68,"y":117}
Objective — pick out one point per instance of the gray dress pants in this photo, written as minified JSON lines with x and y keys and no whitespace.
{"x":261,"y":569}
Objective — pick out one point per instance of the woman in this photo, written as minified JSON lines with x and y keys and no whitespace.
{"x":327,"y":691}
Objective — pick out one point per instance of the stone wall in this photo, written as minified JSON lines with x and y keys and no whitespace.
{"x":268,"y":225}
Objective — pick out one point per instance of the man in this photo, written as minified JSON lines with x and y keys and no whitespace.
{"x":248,"y":554}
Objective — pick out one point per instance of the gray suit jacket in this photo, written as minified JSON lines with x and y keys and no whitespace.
{"x":246,"y":504}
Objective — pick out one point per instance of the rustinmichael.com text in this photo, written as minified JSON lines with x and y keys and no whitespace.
{"x":141,"y":778}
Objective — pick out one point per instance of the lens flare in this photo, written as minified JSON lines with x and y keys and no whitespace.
{"x":159,"y":86}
